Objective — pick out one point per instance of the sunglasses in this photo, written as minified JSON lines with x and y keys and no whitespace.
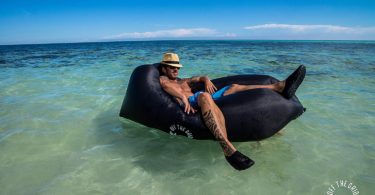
{"x":172,"y":67}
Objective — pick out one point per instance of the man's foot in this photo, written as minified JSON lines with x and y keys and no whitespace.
{"x":293,"y":81}
{"x":239,"y":161}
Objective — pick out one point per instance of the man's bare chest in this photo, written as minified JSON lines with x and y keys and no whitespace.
{"x":184,"y":85}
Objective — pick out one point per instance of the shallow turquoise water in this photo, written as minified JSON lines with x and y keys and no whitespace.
{"x":60,"y":132}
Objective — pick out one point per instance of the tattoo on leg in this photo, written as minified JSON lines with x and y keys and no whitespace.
{"x":211,"y":124}
{"x":226,"y":149}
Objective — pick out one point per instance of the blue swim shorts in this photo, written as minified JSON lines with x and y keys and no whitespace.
{"x":193,"y":100}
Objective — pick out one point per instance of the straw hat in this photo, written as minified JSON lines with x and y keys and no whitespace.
{"x":171,"y":59}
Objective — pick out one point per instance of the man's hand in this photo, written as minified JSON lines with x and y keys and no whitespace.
{"x":210,"y":87}
{"x":188,"y":107}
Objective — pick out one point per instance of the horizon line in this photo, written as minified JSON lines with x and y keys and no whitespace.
{"x":151,"y":40}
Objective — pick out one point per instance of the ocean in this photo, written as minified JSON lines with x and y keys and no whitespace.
{"x":60,"y":131}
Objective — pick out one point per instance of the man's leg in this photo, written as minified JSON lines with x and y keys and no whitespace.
{"x":215,"y":122}
{"x":235,"y":88}
{"x":286,"y":87}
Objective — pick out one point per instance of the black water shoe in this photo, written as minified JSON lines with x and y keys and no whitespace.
{"x":293,"y":81}
{"x":239,"y":161}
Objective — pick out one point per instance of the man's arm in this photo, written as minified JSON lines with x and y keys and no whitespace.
{"x":197,"y":79}
{"x":175,"y":90}
{"x":209,"y":86}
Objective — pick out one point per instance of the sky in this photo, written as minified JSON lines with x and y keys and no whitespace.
{"x":65,"y":21}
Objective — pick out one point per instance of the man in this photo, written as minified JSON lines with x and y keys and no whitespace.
{"x":204,"y":100}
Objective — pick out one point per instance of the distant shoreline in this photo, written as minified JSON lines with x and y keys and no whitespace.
{"x":197,"y":40}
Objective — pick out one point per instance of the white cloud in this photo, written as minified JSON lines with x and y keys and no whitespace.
{"x":313,"y":28}
{"x":230,"y":35}
{"x":172,"y":33}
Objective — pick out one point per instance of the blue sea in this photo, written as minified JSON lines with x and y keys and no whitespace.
{"x":60,"y":132}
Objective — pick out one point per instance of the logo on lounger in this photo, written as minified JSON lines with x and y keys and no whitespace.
{"x":340,"y":185}
{"x":175,"y":127}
